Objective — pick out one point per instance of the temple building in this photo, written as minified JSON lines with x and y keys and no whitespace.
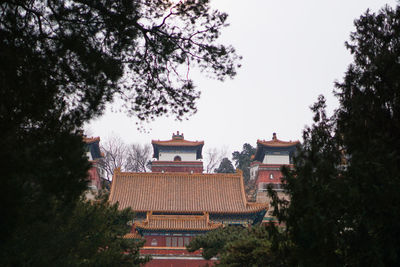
{"x":265,"y":169}
{"x":177,"y":155}
{"x":174,"y":203}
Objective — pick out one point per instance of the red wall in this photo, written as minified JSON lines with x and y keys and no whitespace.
{"x":178,"y":263}
{"x":176,"y":169}
{"x":263,"y":176}
{"x":164,"y":251}
{"x":94,"y":177}
{"x":172,"y":256}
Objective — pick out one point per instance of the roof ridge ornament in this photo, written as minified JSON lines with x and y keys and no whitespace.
{"x":177,"y":136}
{"x":117,"y":170}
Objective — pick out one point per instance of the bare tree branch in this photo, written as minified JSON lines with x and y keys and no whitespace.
{"x":138,"y":157}
{"x":213,"y":158}
{"x":115,"y":151}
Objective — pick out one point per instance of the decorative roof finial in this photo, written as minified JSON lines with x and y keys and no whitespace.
{"x":177,"y":136}
{"x":274,"y":136}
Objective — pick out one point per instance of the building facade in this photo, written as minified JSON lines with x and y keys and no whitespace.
{"x":265,"y":168}
{"x":93,"y":153}
{"x":176,"y":204}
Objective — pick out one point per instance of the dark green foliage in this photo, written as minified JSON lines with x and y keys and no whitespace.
{"x":44,"y":173}
{"x":213,"y":243}
{"x":313,"y":219}
{"x":94,"y":233}
{"x":71,"y":56}
{"x":225,"y":166}
{"x":369,"y":122}
{"x":238,"y":246}
{"x":345,"y":204}
{"x":252,"y":248}
{"x":243,"y":159}
{"x":90,"y":235}
{"x":61,"y":62}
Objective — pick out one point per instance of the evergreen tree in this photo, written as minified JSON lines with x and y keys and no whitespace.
{"x":225,"y":166}
{"x":237,"y":246}
{"x":243,"y":159}
{"x":313,"y":218}
{"x":369,"y":123}
{"x":91,"y":234}
{"x":344,"y":208}
{"x":213,"y":243}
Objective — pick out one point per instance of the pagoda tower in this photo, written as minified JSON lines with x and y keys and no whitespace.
{"x":177,"y":155}
{"x":265,"y":169}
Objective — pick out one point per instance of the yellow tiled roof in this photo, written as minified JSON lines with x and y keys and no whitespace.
{"x":132,"y":236}
{"x":181,"y":192}
{"x":277,"y":143}
{"x":177,"y":142}
{"x":177,"y":222}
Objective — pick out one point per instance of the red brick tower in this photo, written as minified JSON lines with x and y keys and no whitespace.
{"x":266,"y":166}
{"x":94,"y":155}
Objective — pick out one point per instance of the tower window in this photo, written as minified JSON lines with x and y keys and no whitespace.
{"x":177,"y":158}
{"x":180,"y":241}
{"x":174,"y":242}
{"x":154,"y":242}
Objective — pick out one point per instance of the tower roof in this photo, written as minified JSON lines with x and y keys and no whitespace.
{"x":93,"y":146}
{"x":177,"y":142}
{"x":273,"y":144}
{"x":177,"y":222}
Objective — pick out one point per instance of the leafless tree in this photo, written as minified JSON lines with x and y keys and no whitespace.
{"x":117,"y":154}
{"x":138,"y":157}
{"x":213,"y":158}
{"x":115,"y":151}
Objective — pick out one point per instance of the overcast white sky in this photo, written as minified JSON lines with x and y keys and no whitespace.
{"x":292,"y":52}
